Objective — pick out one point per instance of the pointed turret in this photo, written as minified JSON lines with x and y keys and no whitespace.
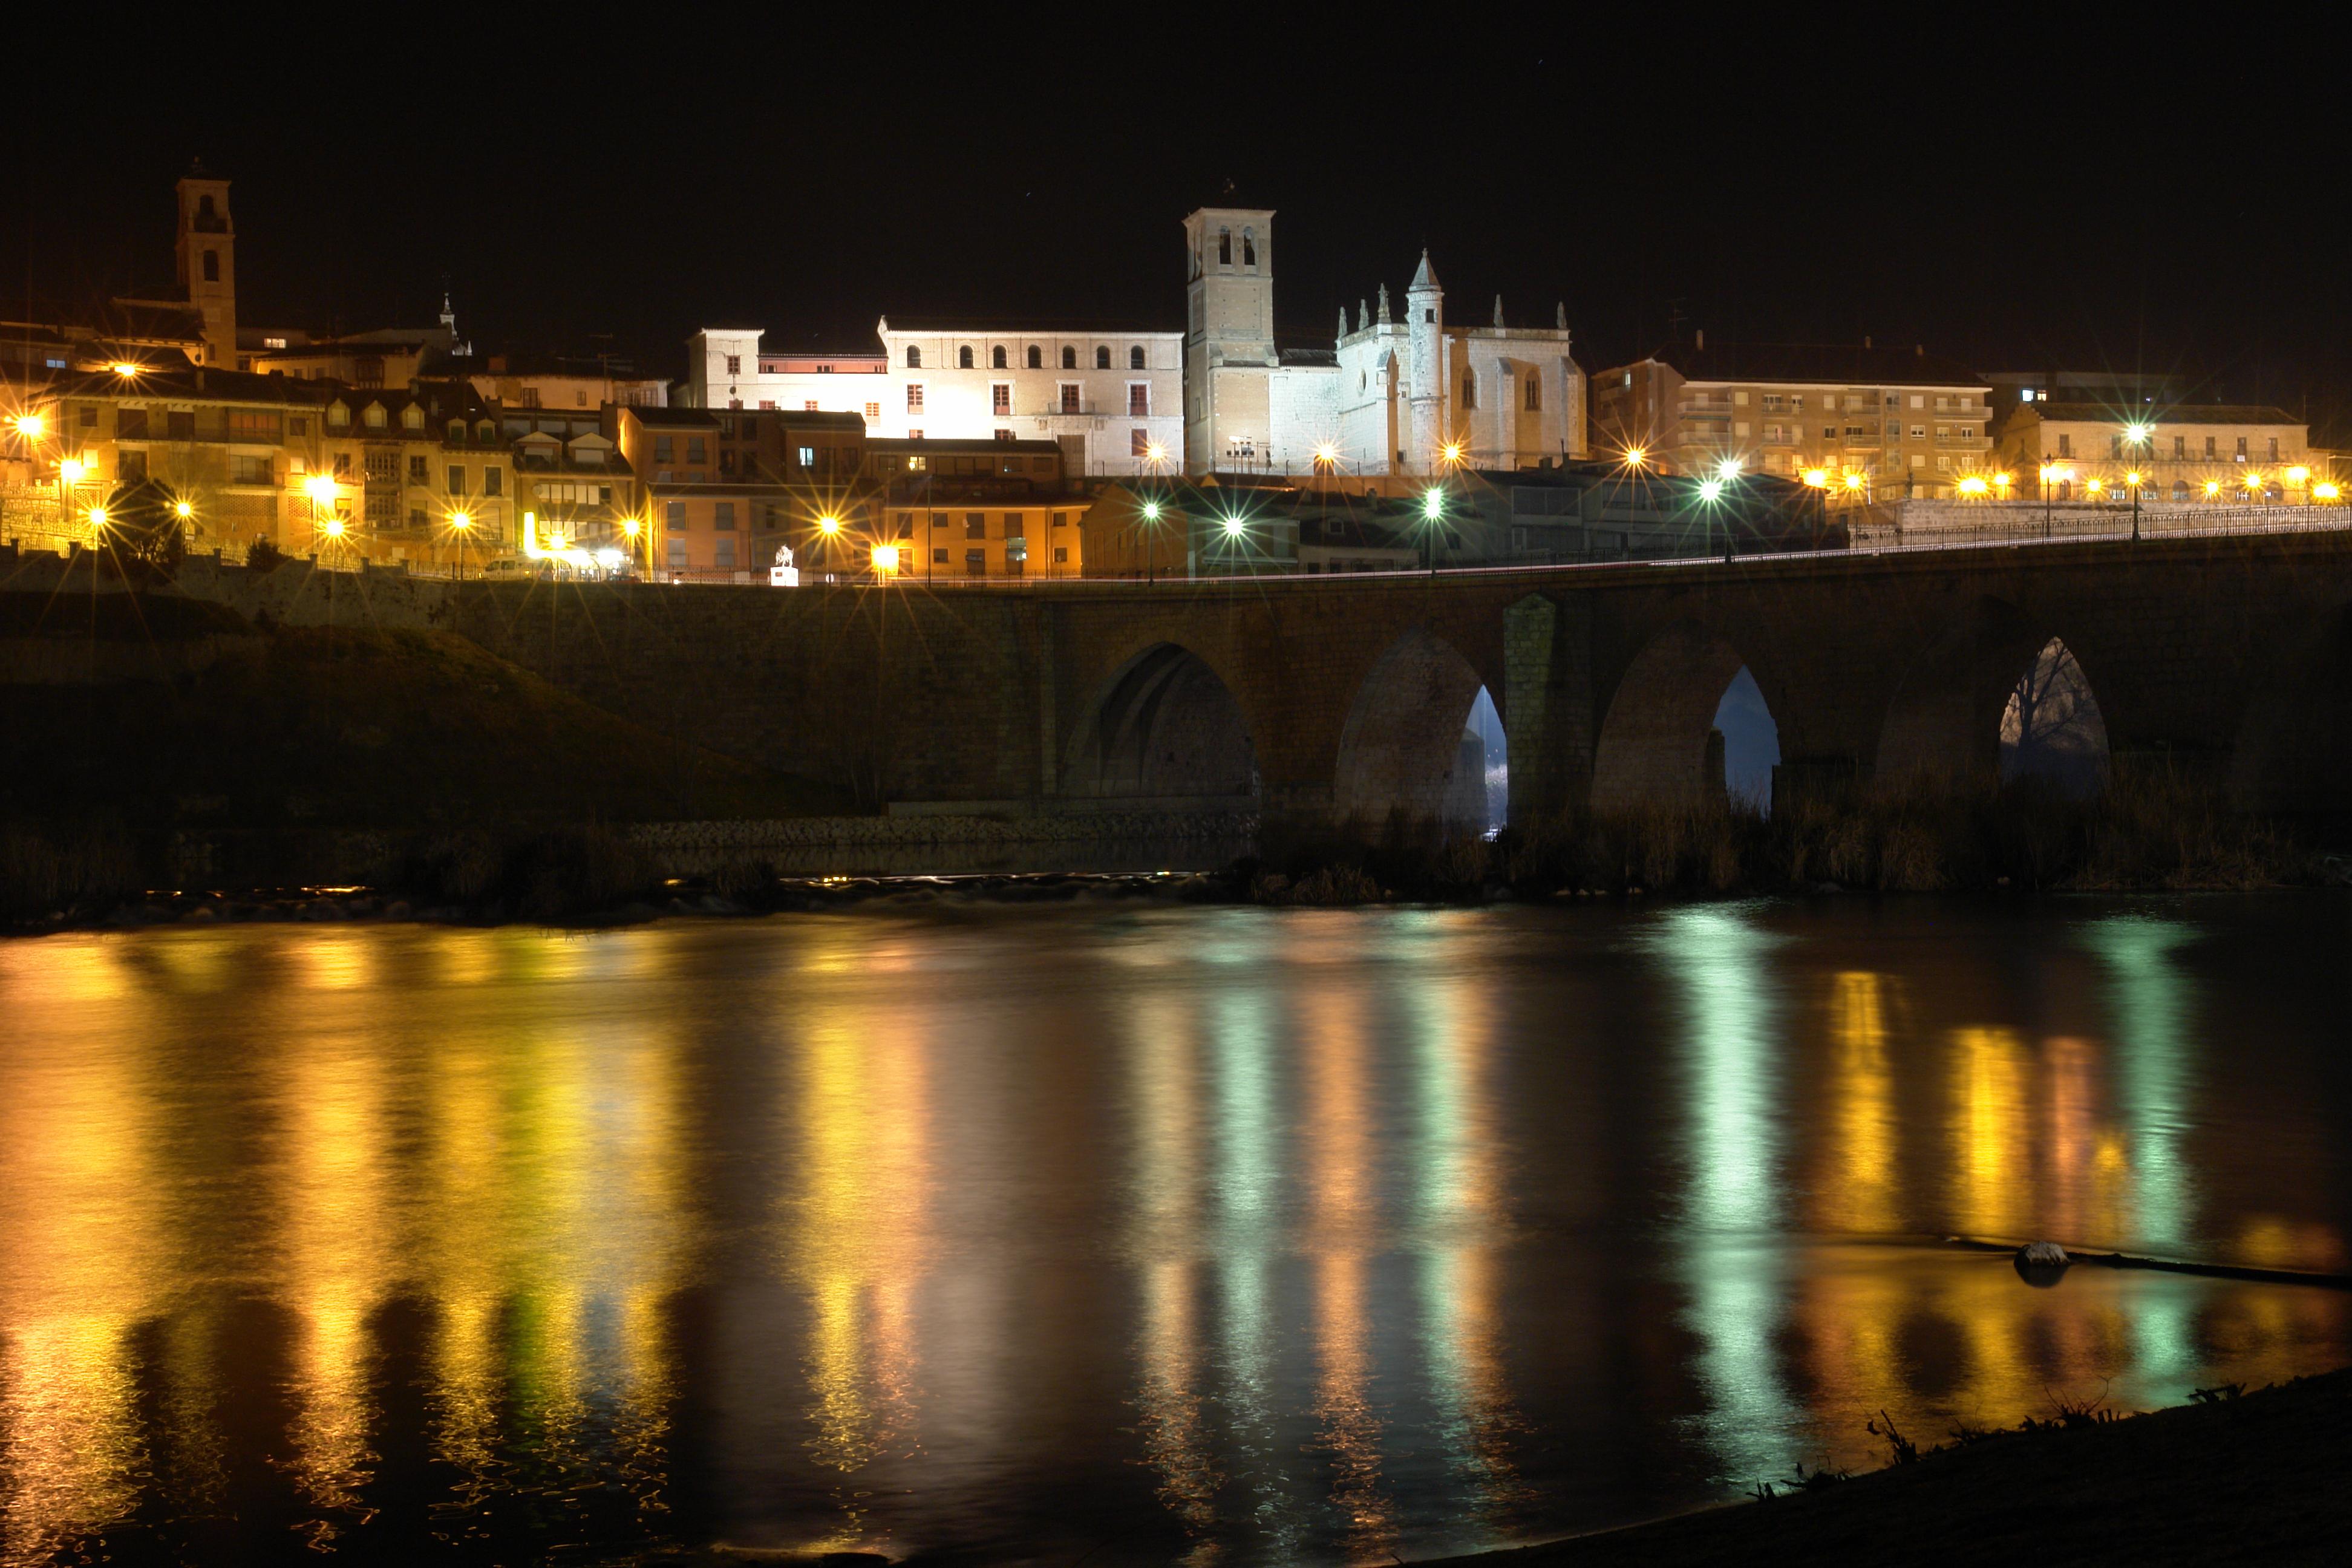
{"x":1425,"y":275}
{"x":1384,"y":304}
{"x":1343,"y":321}
{"x":1499,"y":310}
{"x":1559,"y":315}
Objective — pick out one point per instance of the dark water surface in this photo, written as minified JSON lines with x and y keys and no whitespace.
{"x":1162,"y":1234}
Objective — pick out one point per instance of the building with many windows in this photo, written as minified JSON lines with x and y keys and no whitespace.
{"x":1109,"y":398}
{"x":1903,"y":421}
{"x":2220,"y":452}
{"x":717,"y":491}
{"x":974,"y":510}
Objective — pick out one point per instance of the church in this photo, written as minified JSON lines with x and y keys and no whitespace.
{"x":1409,"y":395}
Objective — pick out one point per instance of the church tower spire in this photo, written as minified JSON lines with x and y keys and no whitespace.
{"x":1425,"y":310}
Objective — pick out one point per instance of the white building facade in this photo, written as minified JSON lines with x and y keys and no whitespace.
{"x":1392,"y":397}
{"x":1111,"y":400}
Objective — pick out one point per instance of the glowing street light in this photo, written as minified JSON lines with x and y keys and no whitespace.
{"x":2325,"y":489}
{"x":1451,"y":452}
{"x":183,"y":511}
{"x":333,"y":527}
{"x":98,"y":517}
{"x":2137,"y":434}
{"x":30,"y":425}
{"x":2094,"y":486}
{"x":1636,"y":456}
{"x":1233,"y":527}
{"x":71,"y":469}
{"x":124,"y":369}
{"x":1856,"y":481}
{"x":461,"y":523}
{"x":2212,"y":489}
{"x":885,"y":559}
{"x":1326,"y":457}
{"x":1154,"y":453}
{"x":1728,"y":469}
{"x":1432,"y":504}
{"x":828,"y":524}
{"x":1817,"y":478}
{"x":1975,"y":485}
{"x":1710,"y":490}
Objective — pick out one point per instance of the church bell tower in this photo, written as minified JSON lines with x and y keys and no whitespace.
{"x":207,"y":252}
{"x":1228,"y":321}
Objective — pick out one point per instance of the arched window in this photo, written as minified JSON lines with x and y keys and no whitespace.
{"x":914,"y":357}
{"x":1535,"y":394}
{"x":1036,"y":357}
{"x":204,"y":206}
{"x":1135,"y":357}
{"x":1069,"y":357}
{"x":1469,"y":389}
{"x":1249,"y":248}
{"x":1102,"y":356}
{"x":963,"y":357}
{"x":1225,"y":248}
{"x":996,"y":357}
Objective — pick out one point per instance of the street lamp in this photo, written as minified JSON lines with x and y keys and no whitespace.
{"x":461,"y":523}
{"x":1151,"y":547}
{"x":2136,"y":434}
{"x":1432,"y":517}
{"x":632,"y":528}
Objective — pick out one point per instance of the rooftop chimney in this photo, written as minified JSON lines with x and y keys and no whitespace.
{"x":1702,"y":338}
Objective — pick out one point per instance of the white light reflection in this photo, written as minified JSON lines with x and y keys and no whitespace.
{"x":1735,"y":1264}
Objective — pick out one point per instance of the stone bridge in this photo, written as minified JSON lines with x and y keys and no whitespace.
{"x":1330,"y":699}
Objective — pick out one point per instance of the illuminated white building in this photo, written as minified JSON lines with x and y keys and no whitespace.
{"x":1109,"y":398}
{"x":1390,"y":396}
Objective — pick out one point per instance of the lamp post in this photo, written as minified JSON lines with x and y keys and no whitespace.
{"x":1151,"y":542}
{"x":460,"y":524}
{"x":1432,"y":517}
{"x":2137,"y":434}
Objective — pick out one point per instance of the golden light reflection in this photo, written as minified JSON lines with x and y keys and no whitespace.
{"x":1990,"y":1125}
{"x":1863,"y":1188}
{"x":857,"y":1233}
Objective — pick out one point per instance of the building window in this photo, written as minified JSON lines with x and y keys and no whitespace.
{"x":1071,"y":405}
{"x":1535,"y":394}
{"x":1061,"y":555}
{"x":915,"y":399}
{"x":416,"y":520}
{"x":939,"y":555}
{"x":1249,"y":248}
{"x":663,"y":451}
{"x":1469,"y":389}
{"x":975,"y":563}
{"x":906,"y":525}
{"x":1139,"y":400}
{"x":1061,"y":520}
{"x":808,"y":456}
{"x":2273,"y":454}
{"x":457,"y":479}
{"x":734,"y":365}
{"x":1429,"y":315}
{"x":914,"y":357}
{"x":1139,"y":443}
{"x":493,"y":481}
{"x":1225,"y":248}
{"x":678,"y":517}
{"x":1003,"y":435}
{"x":1069,"y":357}
{"x":722,"y":516}
{"x":2065,"y":445}
{"x":695,"y":450}
{"x":1135,"y":357}
{"x":996,"y":357}
{"x":2208,"y":448}
{"x":2241,"y":448}
{"x":212,"y":266}
{"x":975,"y":525}
{"x":726,"y":556}
{"x":249,"y":471}
{"x":1000,"y":398}
{"x":914,"y":436}
{"x":874,"y":411}
{"x":131,"y":423}
{"x":677,"y":552}
{"x":2180,"y":448}
{"x":2114,"y":445}
{"x":131,"y":466}
{"x":1102,"y":356}
{"x":963,"y":357}
{"x":808,"y":405}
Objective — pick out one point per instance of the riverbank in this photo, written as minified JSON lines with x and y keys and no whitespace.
{"x":2256,"y":1478}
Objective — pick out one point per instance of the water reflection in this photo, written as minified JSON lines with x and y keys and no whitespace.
{"x":1201,"y":1235}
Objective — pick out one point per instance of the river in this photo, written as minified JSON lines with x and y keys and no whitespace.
{"x":1140,"y":1233}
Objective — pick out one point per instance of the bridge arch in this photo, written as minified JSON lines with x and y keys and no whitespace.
{"x":1406,"y":748}
{"x":1656,"y":742}
{"x":1994,"y":695}
{"x":1162,"y":726}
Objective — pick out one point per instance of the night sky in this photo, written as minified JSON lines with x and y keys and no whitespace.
{"x":2154,"y":201}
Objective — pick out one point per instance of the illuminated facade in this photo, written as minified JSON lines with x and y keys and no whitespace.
{"x":976,"y":509}
{"x":1907,"y":422}
{"x":1107,"y":398}
{"x":1412,"y":396}
{"x":2223,"y":452}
